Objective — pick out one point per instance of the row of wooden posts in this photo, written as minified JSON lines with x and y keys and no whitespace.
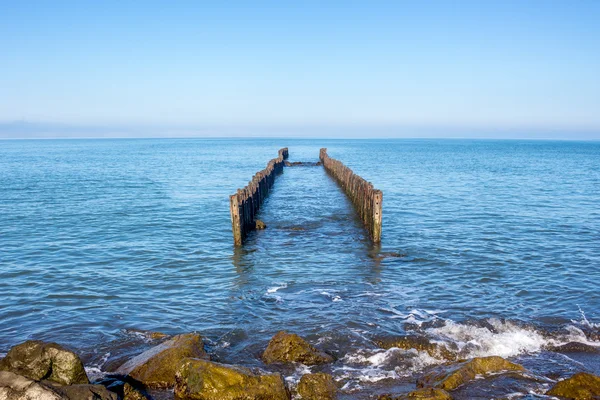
{"x":366,"y":199}
{"x":244,"y":204}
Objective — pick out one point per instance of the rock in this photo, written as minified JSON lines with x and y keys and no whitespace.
{"x":156,"y":367}
{"x":86,"y":392}
{"x":131,"y":393}
{"x":259,"y":225}
{"x":17,"y":387}
{"x":38,"y":360}
{"x":204,"y":380}
{"x":318,"y":386}
{"x":419,"y":343}
{"x":423,"y":394}
{"x":575,"y":347}
{"x":452,"y":376}
{"x":581,"y":386}
{"x":288,"y":347}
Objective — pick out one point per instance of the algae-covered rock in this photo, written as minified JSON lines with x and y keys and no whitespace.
{"x":581,"y":386}
{"x":259,"y":225}
{"x":131,"y":393}
{"x":575,"y":347}
{"x":18,"y":387}
{"x":422,"y":394}
{"x":452,"y":376}
{"x":156,"y":367}
{"x":419,"y":343}
{"x":288,"y":347}
{"x":318,"y":386}
{"x":199,"y":379}
{"x":39,"y":360}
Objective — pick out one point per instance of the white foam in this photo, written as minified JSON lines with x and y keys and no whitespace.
{"x":276,"y":288}
{"x":505,"y":339}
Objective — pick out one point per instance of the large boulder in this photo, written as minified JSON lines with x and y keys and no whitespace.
{"x":288,"y":347}
{"x":39,"y":360}
{"x":318,"y":386}
{"x":17,"y":387}
{"x":420,"y":394}
{"x":581,"y":386}
{"x":199,"y":379}
{"x":452,"y":376}
{"x":156,"y":367}
{"x":419,"y":343}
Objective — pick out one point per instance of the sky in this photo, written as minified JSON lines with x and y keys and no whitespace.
{"x":307,"y":68}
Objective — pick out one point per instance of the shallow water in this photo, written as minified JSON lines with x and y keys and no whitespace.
{"x":492,"y":246}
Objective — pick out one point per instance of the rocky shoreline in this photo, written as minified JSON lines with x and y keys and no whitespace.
{"x":180,"y":366}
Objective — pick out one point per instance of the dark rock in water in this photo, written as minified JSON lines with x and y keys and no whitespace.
{"x":302,"y":164}
{"x":156,"y":367}
{"x":288,"y":347}
{"x":17,"y":387}
{"x":581,"y":386}
{"x":204,"y":380}
{"x":39,"y":360}
{"x":449,"y":377}
{"x":575,"y":347}
{"x":419,"y":343}
{"x":423,"y":394}
{"x":86,"y":392}
{"x":132,"y":393}
{"x":259,"y":225}
{"x":318,"y":386}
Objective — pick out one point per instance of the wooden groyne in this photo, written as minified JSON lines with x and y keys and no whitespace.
{"x":366,"y":199}
{"x":244,"y":204}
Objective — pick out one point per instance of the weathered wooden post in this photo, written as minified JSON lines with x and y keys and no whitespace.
{"x":366,"y":199}
{"x":245,"y":204}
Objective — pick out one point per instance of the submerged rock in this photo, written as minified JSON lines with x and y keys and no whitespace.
{"x":288,"y":347}
{"x":318,"y":386}
{"x":450,"y":377}
{"x":419,"y":343}
{"x":259,"y":225}
{"x":423,"y":394}
{"x":575,"y":347}
{"x":581,"y":386}
{"x":156,"y":367}
{"x":38,"y":360}
{"x":204,"y":380}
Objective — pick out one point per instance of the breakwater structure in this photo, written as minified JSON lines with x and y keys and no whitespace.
{"x":245,"y":203}
{"x":366,"y":199}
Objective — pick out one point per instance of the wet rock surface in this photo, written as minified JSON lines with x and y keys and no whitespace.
{"x":317,"y":386}
{"x":38,"y":360}
{"x":205,"y":380}
{"x":450,"y":377}
{"x":423,"y":394}
{"x":581,"y":386}
{"x":419,"y":343}
{"x":288,"y":347}
{"x":156,"y":367}
{"x":86,"y":392}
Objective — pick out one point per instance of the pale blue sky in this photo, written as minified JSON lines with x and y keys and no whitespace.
{"x":399,"y":67}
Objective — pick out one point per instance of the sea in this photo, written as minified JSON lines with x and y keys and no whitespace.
{"x":489,"y":247}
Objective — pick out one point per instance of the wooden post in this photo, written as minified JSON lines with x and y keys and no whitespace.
{"x":234,"y":209}
{"x":245,"y":204}
{"x":366,"y":200}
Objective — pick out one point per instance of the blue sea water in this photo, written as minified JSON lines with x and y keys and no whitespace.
{"x":491,"y":245}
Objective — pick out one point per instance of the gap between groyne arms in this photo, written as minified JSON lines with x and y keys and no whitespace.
{"x":366,"y":199}
{"x":244,"y":204}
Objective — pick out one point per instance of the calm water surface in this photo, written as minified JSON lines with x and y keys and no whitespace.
{"x":493,"y":246}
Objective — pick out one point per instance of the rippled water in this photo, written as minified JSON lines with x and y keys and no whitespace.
{"x":491,"y":245}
